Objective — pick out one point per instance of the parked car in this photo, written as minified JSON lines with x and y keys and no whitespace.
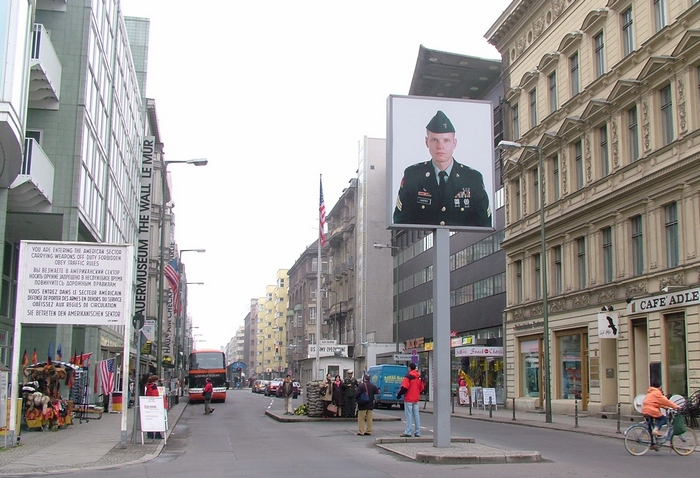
{"x":295,"y":394}
{"x":272,"y":386}
{"x":259,"y":386}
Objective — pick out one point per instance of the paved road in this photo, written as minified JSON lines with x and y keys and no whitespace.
{"x":239,"y":440}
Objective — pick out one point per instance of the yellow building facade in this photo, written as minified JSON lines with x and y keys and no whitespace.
{"x":605,"y":94}
{"x":272,"y":325}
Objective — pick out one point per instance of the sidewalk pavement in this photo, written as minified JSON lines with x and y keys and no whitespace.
{"x":96,"y":443}
{"x":93,"y":443}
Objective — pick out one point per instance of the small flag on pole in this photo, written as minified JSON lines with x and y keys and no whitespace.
{"x":25,"y":359}
{"x":321,"y":216}
{"x":59,"y":354}
{"x":35,"y":358}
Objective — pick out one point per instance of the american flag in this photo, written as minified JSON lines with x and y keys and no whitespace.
{"x":322,"y":217}
{"x":173,"y":277}
{"x":106,"y":368}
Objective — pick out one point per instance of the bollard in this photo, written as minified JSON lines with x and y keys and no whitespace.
{"x":490,"y":407}
{"x":453,"y":402}
{"x":576,"y":413}
{"x":513,"y":408}
{"x":618,"y":418}
{"x":470,"y":406}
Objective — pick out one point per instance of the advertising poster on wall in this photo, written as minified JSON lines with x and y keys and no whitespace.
{"x":440,"y":157}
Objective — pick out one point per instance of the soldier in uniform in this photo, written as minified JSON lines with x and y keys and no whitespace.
{"x":442,"y":191}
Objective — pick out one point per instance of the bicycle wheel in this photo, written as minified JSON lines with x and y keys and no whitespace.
{"x":637,"y":440}
{"x":685,"y":443}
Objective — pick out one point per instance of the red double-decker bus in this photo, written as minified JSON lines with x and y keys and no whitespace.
{"x":207,"y":364}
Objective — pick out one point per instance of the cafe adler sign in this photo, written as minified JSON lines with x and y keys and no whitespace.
{"x":666,"y":301}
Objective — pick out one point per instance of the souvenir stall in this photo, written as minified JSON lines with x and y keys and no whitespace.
{"x":43,"y":406}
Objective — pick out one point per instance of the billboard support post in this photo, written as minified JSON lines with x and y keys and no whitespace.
{"x":441,"y":337}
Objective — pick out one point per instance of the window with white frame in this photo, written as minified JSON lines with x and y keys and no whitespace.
{"x":637,"y":246}
{"x":672,"y":248}
{"x":633,"y":133}
{"x":519,"y":281}
{"x":538,"y":276}
{"x":581,"y":261}
{"x":607,"y":255}
{"x":599,"y":47}
{"x":558,"y":271}
{"x":552,"y":79}
{"x":536,"y":193}
{"x":659,"y":14}
{"x":604,"y":154}
{"x":575,"y":76}
{"x":666,"y":114}
{"x":555,"y":177}
{"x":533,"y":107}
{"x":578,"y":161}
{"x":516,"y":122}
{"x":627,"y":32}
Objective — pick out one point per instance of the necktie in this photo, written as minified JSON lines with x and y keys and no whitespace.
{"x":443,"y":184}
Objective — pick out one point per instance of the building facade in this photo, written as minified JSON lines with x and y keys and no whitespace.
{"x":605,"y":96}
{"x":81,"y":172}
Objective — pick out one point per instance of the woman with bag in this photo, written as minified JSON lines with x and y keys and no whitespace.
{"x":365,"y":405}
{"x":327,"y":395}
{"x":338,"y":396}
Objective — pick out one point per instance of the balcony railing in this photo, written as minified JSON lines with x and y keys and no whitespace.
{"x":32,"y":190}
{"x":45,"y":75}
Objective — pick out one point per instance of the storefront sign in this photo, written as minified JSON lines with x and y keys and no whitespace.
{"x":415,"y":343}
{"x":528,"y":325}
{"x":479,"y":352}
{"x":608,"y":325}
{"x":666,"y":301}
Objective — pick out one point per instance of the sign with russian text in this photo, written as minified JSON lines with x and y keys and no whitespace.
{"x":328,"y":350}
{"x":73,"y":283}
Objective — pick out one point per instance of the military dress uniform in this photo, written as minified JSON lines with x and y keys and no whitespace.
{"x":420,"y":201}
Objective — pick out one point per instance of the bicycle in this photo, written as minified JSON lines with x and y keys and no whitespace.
{"x":639,"y":438}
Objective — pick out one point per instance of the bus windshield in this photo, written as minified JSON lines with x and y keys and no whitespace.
{"x":207,"y":361}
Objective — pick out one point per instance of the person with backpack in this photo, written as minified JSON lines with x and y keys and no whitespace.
{"x":411,"y":388}
{"x":365,"y":405}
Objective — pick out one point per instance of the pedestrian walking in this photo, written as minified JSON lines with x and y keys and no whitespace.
{"x":338,"y":396}
{"x":207,"y":393}
{"x":411,"y":388}
{"x":365,"y":405}
{"x":350,"y":384}
{"x":287,"y":391}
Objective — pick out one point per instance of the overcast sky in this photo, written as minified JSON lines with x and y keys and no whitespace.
{"x":274,"y":93}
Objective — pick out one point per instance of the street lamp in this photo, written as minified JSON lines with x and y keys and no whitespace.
{"x":183,"y":309}
{"x":161,"y":266}
{"x":511,"y":145}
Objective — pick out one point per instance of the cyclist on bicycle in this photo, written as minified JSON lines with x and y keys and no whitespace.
{"x":653,"y":402}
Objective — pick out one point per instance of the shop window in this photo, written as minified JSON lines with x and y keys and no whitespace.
{"x":530,"y":368}
{"x":570,"y":348}
{"x":677,"y":382}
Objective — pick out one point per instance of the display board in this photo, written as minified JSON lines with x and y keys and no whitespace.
{"x":152,"y":414}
